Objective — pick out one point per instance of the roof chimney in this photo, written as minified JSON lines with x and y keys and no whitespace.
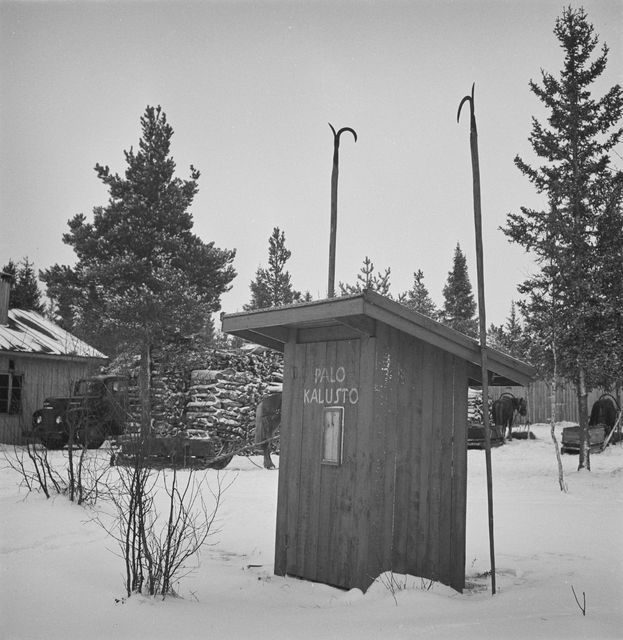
{"x":5,"y":291}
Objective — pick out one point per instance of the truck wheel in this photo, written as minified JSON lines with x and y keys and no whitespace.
{"x":93,"y":437}
{"x":53,"y":441}
{"x":86,"y":430}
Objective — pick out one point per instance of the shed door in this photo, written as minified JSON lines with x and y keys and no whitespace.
{"x":322,"y":433}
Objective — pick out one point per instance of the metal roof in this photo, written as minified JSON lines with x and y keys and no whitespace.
{"x":29,"y":332}
{"x":349,"y":316}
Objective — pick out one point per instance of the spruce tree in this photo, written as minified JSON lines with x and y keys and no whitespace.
{"x":418,"y":298}
{"x":510,"y":337}
{"x":366,"y":280}
{"x":568,"y":305}
{"x":64,"y":293}
{"x":272,"y":287}
{"x":25,"y":293}
{"x":609,"y":255}
{"x":459,"y":307}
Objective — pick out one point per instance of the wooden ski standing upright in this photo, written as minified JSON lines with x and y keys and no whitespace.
{"x":373,"y":455}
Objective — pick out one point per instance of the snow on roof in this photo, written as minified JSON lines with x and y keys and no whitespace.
{"x":30,"y":332}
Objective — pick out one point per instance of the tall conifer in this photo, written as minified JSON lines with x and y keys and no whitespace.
{"x":418,"y":298}
{"x":272,"y":286}
{"x":568,"y":306}
{"x":141,"y":274}
{"x":459,"y":309}
{"x":25,"y":293}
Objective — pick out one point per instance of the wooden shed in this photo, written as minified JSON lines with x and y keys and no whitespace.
{"x":373,"y":461}
{"x":38,"y":359}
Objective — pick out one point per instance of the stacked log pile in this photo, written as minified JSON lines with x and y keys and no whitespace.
{"x":223,"y":401}
{"x":207,"y":390}
{"x":474,"y":407}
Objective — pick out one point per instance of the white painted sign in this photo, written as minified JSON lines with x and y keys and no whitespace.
{"x":325,"y":389}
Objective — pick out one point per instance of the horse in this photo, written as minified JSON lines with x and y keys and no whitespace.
{"x":267,"y":422}
{"x":504,"y":409}
{"x":604,"y":411}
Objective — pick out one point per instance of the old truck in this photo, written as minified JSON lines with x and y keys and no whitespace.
{"x":99,"y":410}
{"x":95,"y":411}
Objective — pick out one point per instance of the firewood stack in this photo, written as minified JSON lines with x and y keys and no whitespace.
{"x":474,"y":406}
{"x":214,"y":391}
{"x":224,"y":401}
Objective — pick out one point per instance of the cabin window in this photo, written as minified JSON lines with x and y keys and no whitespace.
{"x":332,"y":435}
{"x":11,"y":393}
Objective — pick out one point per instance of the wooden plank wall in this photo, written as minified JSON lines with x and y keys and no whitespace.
{"x":364,"y":458}
{"x":43,"y":377}
{"x":538,"y":396}
{"x":397,"y":501}
{"x":315,"y":500}
{"x":289,"y":458}
{"x":426,"y":485}
{"x":337,"y":544}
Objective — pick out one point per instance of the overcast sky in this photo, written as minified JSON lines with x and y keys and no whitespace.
{"x":249,"y":88}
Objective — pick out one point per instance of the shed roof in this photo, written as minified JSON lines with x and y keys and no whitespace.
{"x":356,"y":315}
{"x":28,"y":332}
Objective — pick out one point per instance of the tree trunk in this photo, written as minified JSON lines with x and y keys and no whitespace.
{"x":144,"y":383}
{"x":584,"y":461}
{"x":553,"y":420}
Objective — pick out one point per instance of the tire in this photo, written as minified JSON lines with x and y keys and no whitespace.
{"x":54,"y":441}
{"x":86,"y":431}
{"x":93,"y":436}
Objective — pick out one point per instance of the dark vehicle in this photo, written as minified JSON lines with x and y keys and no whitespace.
{"x":603,"y":421}
{"x":476,"y":435}
{"x":571,"y":437}
{"x":96,"y":410}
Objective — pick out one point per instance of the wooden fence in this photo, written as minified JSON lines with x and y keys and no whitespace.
{"x":539,"y":398}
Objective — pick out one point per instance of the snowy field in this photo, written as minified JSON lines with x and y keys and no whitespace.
{"x":61,"y":578}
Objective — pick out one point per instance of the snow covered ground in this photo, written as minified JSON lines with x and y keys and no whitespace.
{"x":60,"y":577}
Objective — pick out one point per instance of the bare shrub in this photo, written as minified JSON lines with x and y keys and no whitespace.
{"x":33,"y":465}
{"x":161,"y":522}
{"x":80,"y":475}
{"x":395,"y":583}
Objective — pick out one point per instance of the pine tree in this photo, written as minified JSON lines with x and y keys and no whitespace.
{"x":366,"y":280}
{"x":418,"y":298}
{"x":141,"y":274}
{"x":272,"y":287}
{"x":567,"y":302}
{"x":25,"y":293}
{"x":459,"y":305}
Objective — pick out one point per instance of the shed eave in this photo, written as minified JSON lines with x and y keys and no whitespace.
{"x":295,"y":314}
{"x":274,"y":327}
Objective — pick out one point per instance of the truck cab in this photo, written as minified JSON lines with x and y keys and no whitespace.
{"x":96,"y":410}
